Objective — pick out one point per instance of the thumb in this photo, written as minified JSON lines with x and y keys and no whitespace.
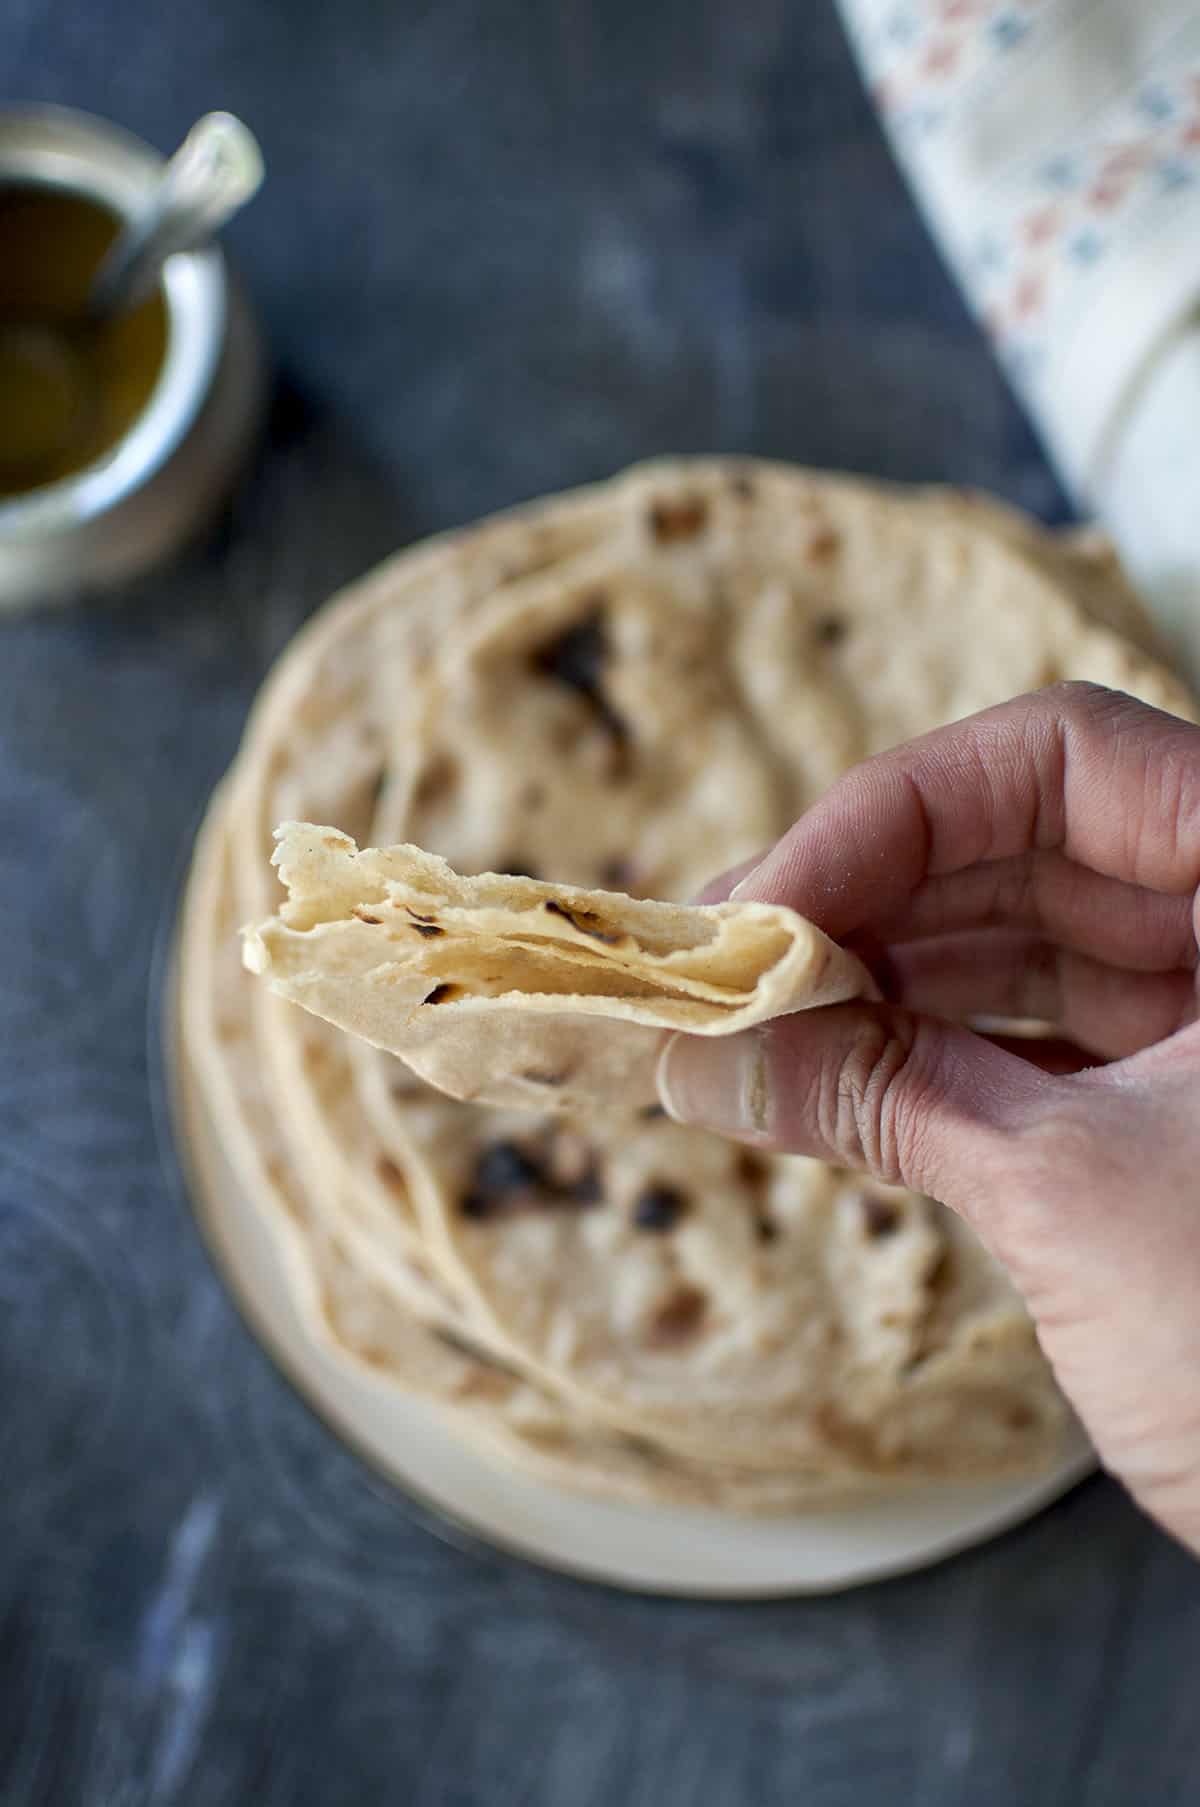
{"x":911,"y":1099}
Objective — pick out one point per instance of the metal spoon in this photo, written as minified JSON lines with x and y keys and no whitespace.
{"x":216,"y":170}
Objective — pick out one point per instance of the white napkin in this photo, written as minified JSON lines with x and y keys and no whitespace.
{"x":1055,"y":148}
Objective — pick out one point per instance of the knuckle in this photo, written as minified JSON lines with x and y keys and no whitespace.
{"x":1081,"y":703}
{"x":1080,"y":696}
{"x":870,"y":1101}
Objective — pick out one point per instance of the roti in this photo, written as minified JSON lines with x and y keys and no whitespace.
{"x":511,"y":991}
{"x":629,"y":689}
{"x":639,"y":715}
{"x":360,"y":1321}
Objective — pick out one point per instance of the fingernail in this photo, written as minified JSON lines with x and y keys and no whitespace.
{"x":744,"y":884}
{"x":721,"y":1083}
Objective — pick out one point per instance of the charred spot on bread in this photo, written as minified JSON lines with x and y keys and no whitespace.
{"x":586,"y":921}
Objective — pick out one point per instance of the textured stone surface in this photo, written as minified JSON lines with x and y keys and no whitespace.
{"x":505,"y":247}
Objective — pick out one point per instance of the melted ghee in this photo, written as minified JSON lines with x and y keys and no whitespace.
{"x":69,"y":391}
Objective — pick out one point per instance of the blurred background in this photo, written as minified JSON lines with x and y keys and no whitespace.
{"x":502,"y":249}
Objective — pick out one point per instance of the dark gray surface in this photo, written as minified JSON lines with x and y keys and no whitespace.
{"x":504,"y":248}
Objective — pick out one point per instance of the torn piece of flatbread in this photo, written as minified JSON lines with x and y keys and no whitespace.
{"x":510,"y":991}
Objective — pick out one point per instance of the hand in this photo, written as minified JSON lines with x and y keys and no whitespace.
{"x":1041,"y":860}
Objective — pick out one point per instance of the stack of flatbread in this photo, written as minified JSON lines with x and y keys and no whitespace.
{"x":504,"y":762}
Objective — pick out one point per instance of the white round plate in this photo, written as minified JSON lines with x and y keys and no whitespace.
{"x":661,"y":1550}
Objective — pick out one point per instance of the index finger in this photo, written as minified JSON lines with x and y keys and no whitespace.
{"x":1110,"y":782}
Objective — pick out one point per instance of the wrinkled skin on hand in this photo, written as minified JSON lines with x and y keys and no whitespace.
{"x":1041,"y":860}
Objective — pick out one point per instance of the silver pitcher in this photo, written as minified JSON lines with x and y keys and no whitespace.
{"x":173,"y":466}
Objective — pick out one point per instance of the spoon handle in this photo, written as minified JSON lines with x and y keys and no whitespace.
{"x":216,"y":169}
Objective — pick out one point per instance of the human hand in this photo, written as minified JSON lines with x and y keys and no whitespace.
{"x":1041,"y":860}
